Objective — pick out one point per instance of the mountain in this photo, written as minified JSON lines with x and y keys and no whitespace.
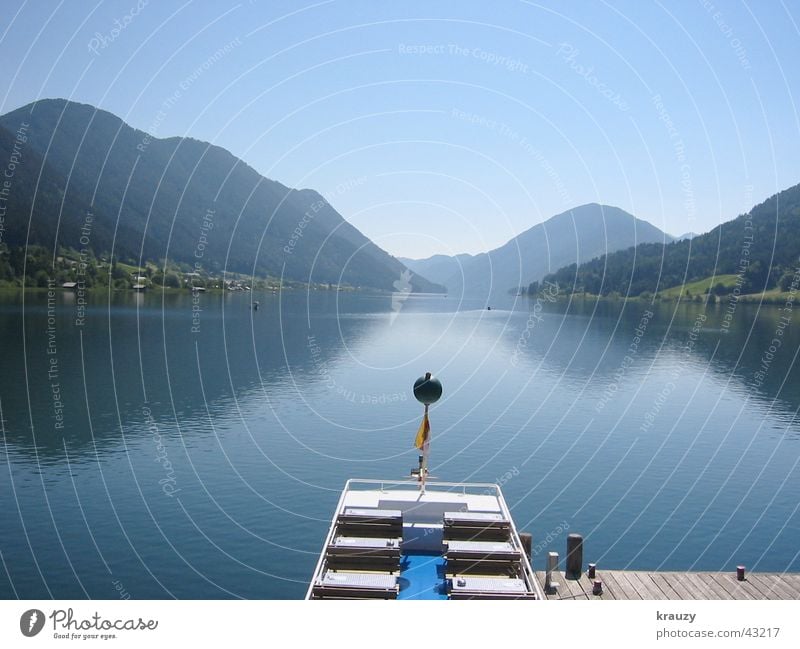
{"x":760,"y":248}
{"x":438,"y":268}
{"x":686,"y":235}
{"x":574,"y":236}
{"x":177,"y":198}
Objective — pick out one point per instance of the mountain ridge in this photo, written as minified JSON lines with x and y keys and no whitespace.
{"x":150,"y":196}
{"x":575,"y":235}
{"x":760,"y":248}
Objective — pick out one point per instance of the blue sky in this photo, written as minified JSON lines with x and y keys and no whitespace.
{"x":447,"y":127}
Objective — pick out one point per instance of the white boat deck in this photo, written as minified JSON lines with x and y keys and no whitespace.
{"x":424,"y":517}
{"x":408,"y":500}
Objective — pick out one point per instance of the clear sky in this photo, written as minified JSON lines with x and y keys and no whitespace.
{"x":447,"y":126}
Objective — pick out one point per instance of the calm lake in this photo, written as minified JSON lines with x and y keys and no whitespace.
{"x":164,"y":447}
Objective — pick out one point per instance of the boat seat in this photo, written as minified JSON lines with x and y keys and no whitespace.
{"x":477,"y":526}
{"x":365,"y":545}
{"x":476,"y":534}
{"x":483,"y":568}
{"x":467,"y":587}
{"x":482,"y":558}
{"x":370,"y":522}
{"x":488,"y":550}
{"x":355,"y":585}
{"x":482,"y":519}
{"x":364,"y":553}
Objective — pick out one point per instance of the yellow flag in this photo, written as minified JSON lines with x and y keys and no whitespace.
{"x":422,"y":433}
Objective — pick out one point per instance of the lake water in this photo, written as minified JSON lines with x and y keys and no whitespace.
{"x":165,"y":448}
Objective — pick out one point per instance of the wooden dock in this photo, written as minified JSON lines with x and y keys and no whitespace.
{"x":636,"y":585}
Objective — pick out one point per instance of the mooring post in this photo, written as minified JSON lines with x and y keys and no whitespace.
{"x":592,"y":570}
{"x":574,"y":556}
{"x":740,"y":573}
{"x":552,"y":568}
{"x":527,"y":543}
{"x":597,"y":587}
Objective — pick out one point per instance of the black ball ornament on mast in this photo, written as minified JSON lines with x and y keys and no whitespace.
{"x":427,"y":390}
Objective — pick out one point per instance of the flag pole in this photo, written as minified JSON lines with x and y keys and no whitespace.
{"x":427,"y":390}
{"x":423,"y":472}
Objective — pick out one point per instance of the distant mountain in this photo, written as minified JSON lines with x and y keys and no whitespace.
{"x":761,"y":248}
{"x":686,"y":235}
{"x":177,"y":198}
{"x":574,"y":236}
{"x":438,"y":268}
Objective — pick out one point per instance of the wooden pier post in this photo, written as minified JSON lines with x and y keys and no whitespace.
{"x":574,"y":556}
{"x":552,"y":568}
{"x":527,"y":543}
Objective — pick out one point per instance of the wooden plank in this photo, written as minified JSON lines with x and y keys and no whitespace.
{"x":540,"y":578}
{"x":737,"y":589}
{"x":681,"y":586}
{"x":571,"y":587}
{"x":776,"y":586}
{"x":567,"y":589}
{"x":790,"y":581}
{"x":760,"y":590}
{"x":607,"y":593}
{"x":629,"y":576}
{"x":578,"y":587}
{"x":619,"y":587}
{"x":702,"y":586}
{"x":681,"y":581}
{"x":645,"y":586}
{"x":610,"y":584}
{"x":720,"y":591}
{"x":580,"y":584}
{"x":674,"y":584}
{"x":695,"y":586}
{"x":626,"y":576}
{"x":784,"y":584}
{"x":546,"y":594}
{"x":772,"y":586}
{"x":662,"y":583}
{"x":636,"y":585}
{"x":588,"y":584}
{"x":627,"y":588}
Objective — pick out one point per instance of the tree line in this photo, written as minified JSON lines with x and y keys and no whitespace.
{"x":761,"y":248}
